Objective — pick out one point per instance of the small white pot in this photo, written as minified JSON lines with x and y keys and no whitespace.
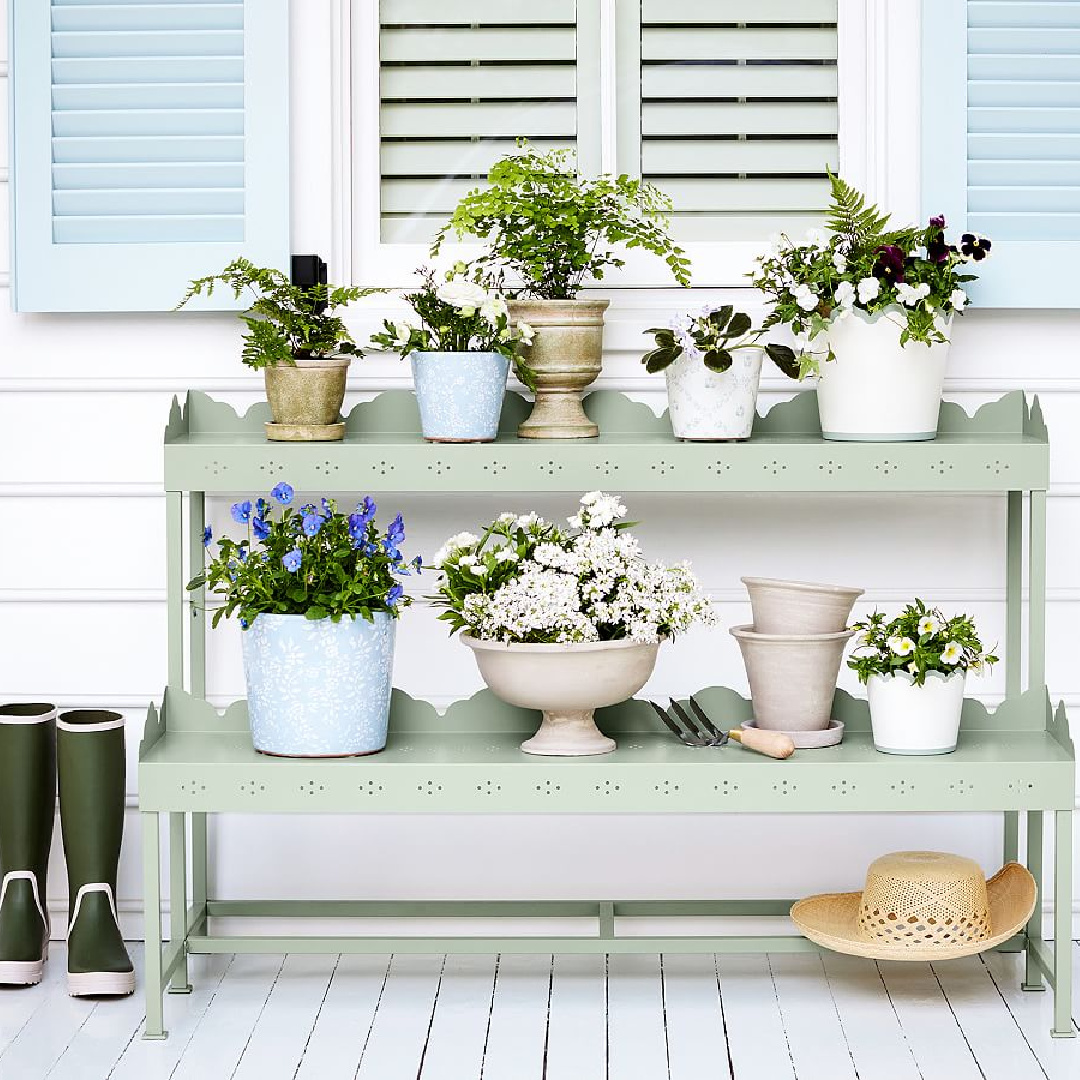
{"x":799,"y":607}
{"x":911,"y":719}
{"x":708,"y":405}
{"x":566,"y":683}
{"x":877,"y":390}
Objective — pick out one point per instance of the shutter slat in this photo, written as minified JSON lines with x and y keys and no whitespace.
{"x":482,"y":81}
{"x":148,"y":17}
{"x":675,"y":157}
{"x":126,"y":202}
{"x":440,"y":12}
{"x":449,"y":157}
{"x":741,"y":196}
{"x":1025,"y":120}
{"x":1041,"y":198}
{"x":139,"y":149}
{"x":110,"y":43}
{"x":1030,"y":173}
{"x":989,"y":92}
{"x":986,"y":13}
{"x":89,"y":175}
{"x":196,"y":229}
{"x":1056,"y":228}
{"x":737,"y":43}
{"x":750,"y":118}
{"x":154,"y":122}
{"x":454,"y":119}
{"x":705,"y":12}
{"x":483,"y":43}
{"x":1023,"y":147}
{"x":153,"y":95}
{"x":159,"y":69}
{"x":738,"y":81}
{"x":1021,"y":67}
{"x":1023,"y":39}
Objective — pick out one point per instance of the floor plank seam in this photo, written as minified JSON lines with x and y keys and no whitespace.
{"x":956,"y":1019}
{"x":374,"y":1014}
{"x":607,"y":1015}
{"x":783,"y":1022}
{"x":547,"y":1020}
{"x":127,"y":1047}
{"x":1012,"y":1016}
{"x":723,"y":1016}
{"x":22,"y":1027}
{"x":491,"y":1013}
{"x":262,"y":1009}
{"x":663,"y":1014}
{"x":318,"y":1013}
{"x":202,"y":1016}
{"x":840,"y":1020}
{"x":899,"y":1023}
{"x":431,"y":1018}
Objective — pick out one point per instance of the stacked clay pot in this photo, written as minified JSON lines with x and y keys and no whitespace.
{"x":793,"y":650}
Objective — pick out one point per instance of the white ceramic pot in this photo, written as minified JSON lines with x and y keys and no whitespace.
{"x":799,"y":607}
{"x":566,"y":683}
{"x":911,"y":719}
{"x":792,"y":677}
{"x":877,"y":390}
{"x":709,"y":405}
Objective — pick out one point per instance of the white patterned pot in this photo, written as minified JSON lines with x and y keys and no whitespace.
{"x":317,"y":688}
{"x":709,"y":405}
{"x":460,"y":395}
{"x":877,"y":390}
{"x":911,"y":719}
{"x":566,"y":683}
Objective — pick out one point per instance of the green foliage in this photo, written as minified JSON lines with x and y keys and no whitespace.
{"x":554,"y":230}
{"x":285,"y":322}
{"x":919,"y":640}
{"x":458,"y":315}
{"x":850,"y":219}
{"x":312,"y":561}
{"x":714,"y":335}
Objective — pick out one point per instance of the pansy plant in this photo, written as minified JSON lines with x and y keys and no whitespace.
{"x":913,"y":276}
{"x":313,"y":560}
{"x":919,"y":640}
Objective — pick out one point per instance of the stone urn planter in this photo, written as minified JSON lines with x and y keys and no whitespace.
{"x":305,"y":400}
{"x":713,"y":406}
{"x":799,"y":607}
{"x":910,"y":719}
{"x":878,"y":390}
{"x":460,"y":395}
{"x":566,"y":683}
{"x":319,"y":688}
{"x":565,"y":356}
{"x":792,"y":677}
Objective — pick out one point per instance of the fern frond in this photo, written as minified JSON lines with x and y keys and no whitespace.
{"x":851,"y":218}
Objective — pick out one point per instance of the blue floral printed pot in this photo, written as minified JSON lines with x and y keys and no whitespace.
{"x":317,"y":688}
{"x":460,"y":395}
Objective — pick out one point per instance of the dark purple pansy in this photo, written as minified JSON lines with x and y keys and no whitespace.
{"x":890,"y":264}
{"x":937,"y":222}
{"x":974,"y":247}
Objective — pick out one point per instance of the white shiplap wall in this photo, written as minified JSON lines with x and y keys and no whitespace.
{"x":83,"y":400}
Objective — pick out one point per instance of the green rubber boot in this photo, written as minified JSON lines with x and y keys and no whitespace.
{"x":90,"y":756}
{"x":27,"y":812}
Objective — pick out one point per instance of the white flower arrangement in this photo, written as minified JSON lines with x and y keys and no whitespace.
{"x":527,"y":580}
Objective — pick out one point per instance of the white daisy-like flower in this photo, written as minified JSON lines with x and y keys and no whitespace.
{"x":958,"y":298}
{"x":805,"y":297}
{"x":463,"y":541}
{"x":928,"y":625}
{"x":902,"y":646}
{"x":466,"y":296}
{"x":507,"y":518}
{"x":952,"y":654}
{"x":506,"y":554}
{"x":912,"y":294}
{"x":845,"y":294}
{"x":868,"y":289}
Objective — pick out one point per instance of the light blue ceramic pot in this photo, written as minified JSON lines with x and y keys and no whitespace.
{"x":317,"y":688}
{"x":460,"y":395}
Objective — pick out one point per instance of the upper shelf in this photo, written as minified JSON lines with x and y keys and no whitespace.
{"x":209,"y":448}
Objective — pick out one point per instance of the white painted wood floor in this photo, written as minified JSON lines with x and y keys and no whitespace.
{"x":568,"y":1018}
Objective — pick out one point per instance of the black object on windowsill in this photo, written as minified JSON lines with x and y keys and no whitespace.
{"x":306,"y":271}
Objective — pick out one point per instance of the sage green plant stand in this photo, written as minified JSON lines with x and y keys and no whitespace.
{"x":195,"y":761}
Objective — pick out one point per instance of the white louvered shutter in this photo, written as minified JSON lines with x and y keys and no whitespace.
{"x":730,"y":107}
{"x":459,"y":81}
{"x":1001,"y":141}
{"x":150,"y":146}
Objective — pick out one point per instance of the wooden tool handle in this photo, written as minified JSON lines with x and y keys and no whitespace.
{"x":772,"y":744}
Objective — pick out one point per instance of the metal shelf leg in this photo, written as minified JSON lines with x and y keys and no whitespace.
{"x":1033,"y":979}
{"x":1063,"y":1028}
{"x":155,"y":1019}
{"x":180,"y":983}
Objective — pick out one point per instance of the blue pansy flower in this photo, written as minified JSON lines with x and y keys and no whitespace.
{"x":242,"y":553}
{"x":395,"y":594}
{"x":357,"y":526}
{"x":261,"y":528}
{"x":308,"y":508}
{"x":241,"y":512}
{"x":292,"y":561}
{"x":283,"y":493}
{"x":366,"y":508}
{"x":327,"y":508}
{"x":312,"y":524}
{"x":207,"y":536}
{"x":395,"y":532}
{"x":262,"y":507}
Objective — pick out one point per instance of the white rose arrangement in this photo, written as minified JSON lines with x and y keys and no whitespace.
{"x":526,"y":580}
{"x":457,"y":315}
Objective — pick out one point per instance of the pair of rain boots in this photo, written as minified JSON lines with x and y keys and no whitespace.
{"x":85,"y":750}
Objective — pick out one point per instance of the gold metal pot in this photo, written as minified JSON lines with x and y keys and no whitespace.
{"x":305,"y":400}
{"x":565,"y":355}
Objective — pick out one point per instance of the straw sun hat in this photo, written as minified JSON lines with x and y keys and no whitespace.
{"x":921,"y":905}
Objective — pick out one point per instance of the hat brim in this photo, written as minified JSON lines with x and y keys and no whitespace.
{"x":831,"y":920}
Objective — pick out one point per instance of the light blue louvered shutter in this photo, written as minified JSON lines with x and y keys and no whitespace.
{"x":732,"y":109}
{"x":460,"y":81}
{"x":1001,"y":141}
{"x":149,"y":146}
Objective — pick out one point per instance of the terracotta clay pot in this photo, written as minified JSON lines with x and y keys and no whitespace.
{"x":566,"y":683}
{"x":792,"y":677}
{"x":305,"y":400}
{"x":565,"y":355}
{"x":799,"y":607}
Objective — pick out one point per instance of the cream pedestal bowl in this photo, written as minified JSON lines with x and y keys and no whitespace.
{"x":566,"y":683}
